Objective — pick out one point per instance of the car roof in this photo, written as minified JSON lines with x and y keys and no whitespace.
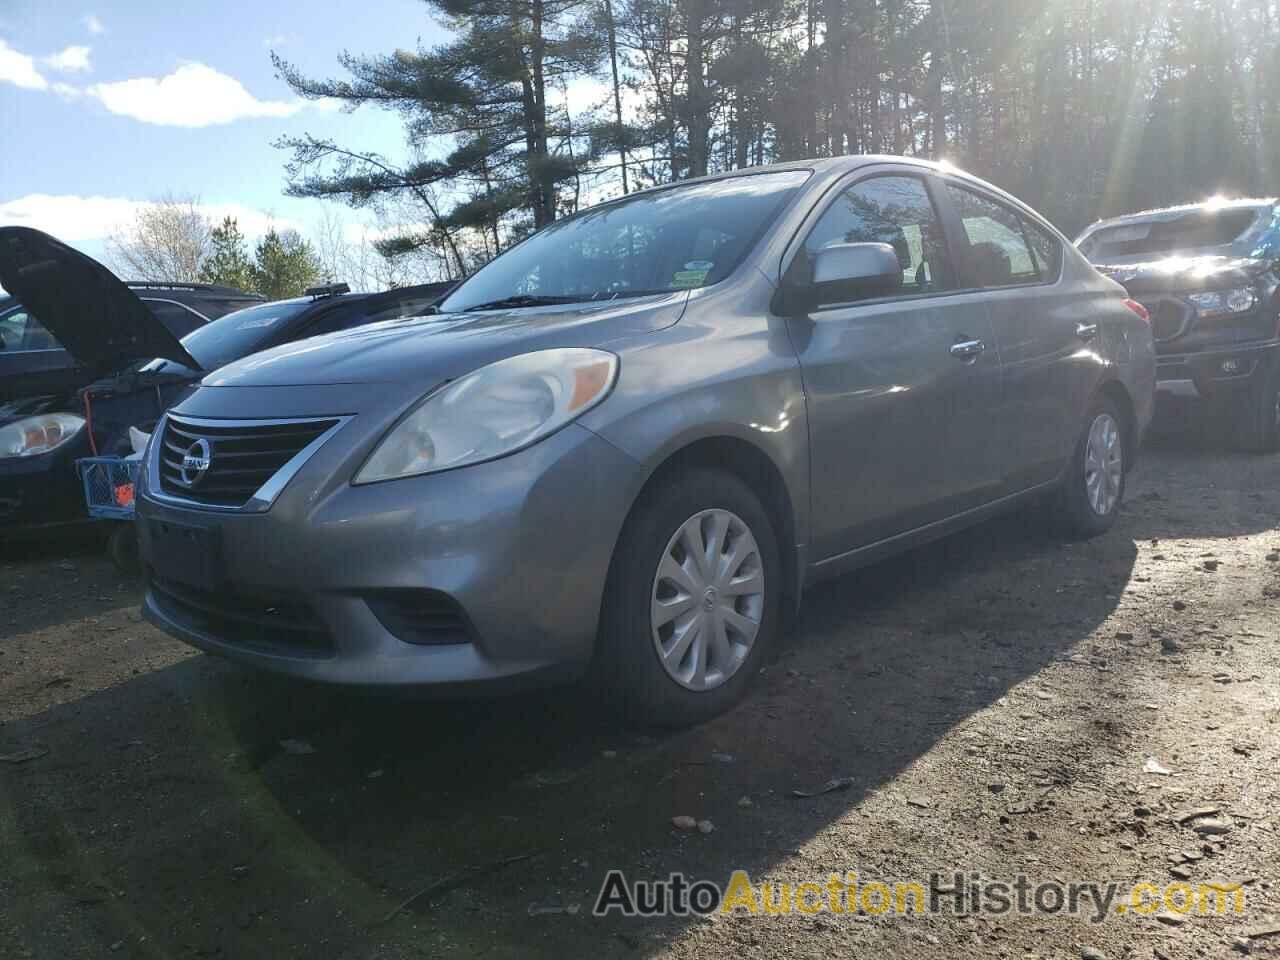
{"x":817,"y":165}
{"x":1173,"y":211}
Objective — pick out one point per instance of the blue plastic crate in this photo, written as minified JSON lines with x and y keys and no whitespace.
{"x":109,"y":486}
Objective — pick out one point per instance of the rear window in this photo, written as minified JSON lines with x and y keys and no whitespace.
{"x":1192,"y":230}
{"x":177,"y":319}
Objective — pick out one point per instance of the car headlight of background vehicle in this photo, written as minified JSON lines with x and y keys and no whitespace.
{"x":493,"y":411}
{"x":34,"y":435}
{"x":1224,"y":303}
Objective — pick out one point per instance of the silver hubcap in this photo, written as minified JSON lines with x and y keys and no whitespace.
{"x":1103,"y":464}
{"x":707,"y":601}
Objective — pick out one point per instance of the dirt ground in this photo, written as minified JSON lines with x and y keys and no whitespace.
{"x":1000,"y":703}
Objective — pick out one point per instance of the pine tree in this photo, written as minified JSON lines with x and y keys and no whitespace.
{"x":228,"y":261}
{"x":284,"y":265}
{"x":487,"y":92}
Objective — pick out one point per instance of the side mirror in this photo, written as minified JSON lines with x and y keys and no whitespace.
{"x":842,"y":272}
{"x":855,"y":271}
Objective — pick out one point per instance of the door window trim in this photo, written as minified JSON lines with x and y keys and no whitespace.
{"x":176,"y":303}
{"x":955,"y":225}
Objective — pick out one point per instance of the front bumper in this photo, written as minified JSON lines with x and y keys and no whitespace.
{"x":1216,"y":372}
{"x":518,"y":547}
{"x":42,"y":491}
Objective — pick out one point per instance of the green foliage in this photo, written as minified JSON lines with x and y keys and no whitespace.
{"x":228,"y":260}
{"x":1083,"y":108}
{"x":487,"y":91}
{"x":284,"y":265}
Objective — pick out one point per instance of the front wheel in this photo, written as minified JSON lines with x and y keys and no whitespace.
{"x":1259,"y":420}
{"x":1092,"y":488}
{"x":692,"y":602}
{"x":122,"y":548}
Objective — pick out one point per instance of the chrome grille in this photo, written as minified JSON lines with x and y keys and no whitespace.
{"x":240,"y":456}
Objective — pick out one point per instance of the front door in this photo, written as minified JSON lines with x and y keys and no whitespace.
{"x":901,"y":389}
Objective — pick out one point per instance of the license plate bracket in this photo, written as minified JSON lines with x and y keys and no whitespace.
{"x":187,"y":553}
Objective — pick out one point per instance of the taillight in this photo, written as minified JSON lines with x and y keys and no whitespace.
{"x":1143,"y":313}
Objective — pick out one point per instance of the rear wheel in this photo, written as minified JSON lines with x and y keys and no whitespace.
{"x":692,"y":603}
{"x":1092,"y":488}
{"x":1258,"y":423}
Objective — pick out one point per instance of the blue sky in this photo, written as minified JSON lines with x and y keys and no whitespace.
{"x":108,"y":104}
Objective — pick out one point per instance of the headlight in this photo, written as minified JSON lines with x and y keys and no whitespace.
{"x":1224,"y":303}
{"x":26,"y":438}
{"x":494,"y":411}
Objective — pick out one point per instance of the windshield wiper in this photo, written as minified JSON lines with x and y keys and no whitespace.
{"x":522,"y":300}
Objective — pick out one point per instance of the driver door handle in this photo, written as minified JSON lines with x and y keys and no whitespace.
{"x":1086,"y":331}
{"x":968,"y":349}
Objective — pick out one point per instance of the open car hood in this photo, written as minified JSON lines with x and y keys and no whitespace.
{"x":98,"y":319}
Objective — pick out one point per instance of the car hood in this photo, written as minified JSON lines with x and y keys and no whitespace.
{"x":1185,"y":274}
{"x":98,"y":319}
{"x":445,"y":346}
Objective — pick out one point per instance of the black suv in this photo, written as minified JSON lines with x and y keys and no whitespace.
{"x":1207,"y":273}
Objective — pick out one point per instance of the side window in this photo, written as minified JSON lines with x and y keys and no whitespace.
{"x":892,"y":210}
{"x":177,"y":319}
{"x":1046,"y":249}
{"x":21,"y":331}
{"x":998,"y":254}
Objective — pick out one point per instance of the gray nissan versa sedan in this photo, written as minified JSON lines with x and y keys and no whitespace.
{"x":626,"y":444}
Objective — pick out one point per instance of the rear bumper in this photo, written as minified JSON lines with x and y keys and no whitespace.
{"x":1221,"y":372}
{"x":519,"y":548}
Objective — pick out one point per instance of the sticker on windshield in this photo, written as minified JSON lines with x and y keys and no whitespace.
{"x":689,"y":278}
{"x":703,"y":265}
{"x":260,"y":322}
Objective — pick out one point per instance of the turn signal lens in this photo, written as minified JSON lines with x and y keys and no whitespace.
{"x":1143,"y":313}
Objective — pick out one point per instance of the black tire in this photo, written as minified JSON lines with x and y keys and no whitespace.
{"x":122,"y":548}
{"x":1075,"y":513}
{"x":1257,"y":415}
{"x":627,"y":668}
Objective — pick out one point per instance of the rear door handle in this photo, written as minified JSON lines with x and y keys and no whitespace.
{"x":1086,"y":331}
{"x":968,"y":349}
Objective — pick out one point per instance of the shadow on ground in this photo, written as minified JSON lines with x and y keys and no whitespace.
{"x":168,"y":808}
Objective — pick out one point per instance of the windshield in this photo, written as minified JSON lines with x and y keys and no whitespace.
{"x":237,"y":334}
{"x":1162,"y":235}
{"x":678,"y":238}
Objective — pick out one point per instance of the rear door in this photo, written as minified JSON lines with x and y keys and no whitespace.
{"x":1044,"y":340}
{"x":901,"y":389}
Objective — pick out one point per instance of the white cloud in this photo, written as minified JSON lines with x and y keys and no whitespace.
{"x":20,"y":69}
{"x":93,"y":24}
{"x":74,"y":59}
{"x":75,"y":219}
{"x":194,"y":95}
{"x":66,"y":90}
